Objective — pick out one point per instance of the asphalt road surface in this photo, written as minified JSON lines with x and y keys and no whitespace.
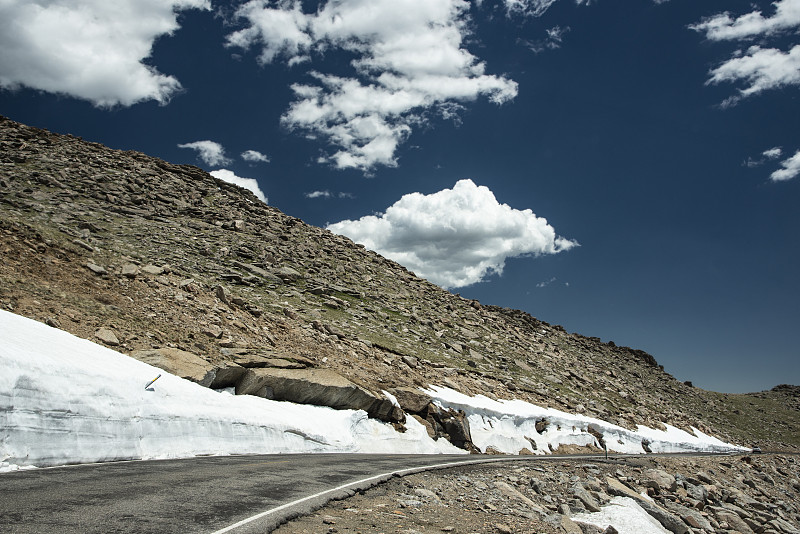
{"x":203,"y":495}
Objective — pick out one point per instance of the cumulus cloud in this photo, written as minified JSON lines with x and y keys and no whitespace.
{"x":210,"y":152}
{"x":409,"y":64}
{"x":247,"y":183}
{"x":791,"y":168}
{"x":769,"y":154}
{"x":254,"y":156}
{"x":454,"y":237}
{"x":89,"y":49}
{"x":761,"y":68}
{"x":723,"y":27}
{"x":758,"y":67}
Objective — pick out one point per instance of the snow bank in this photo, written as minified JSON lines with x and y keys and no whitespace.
{"x":510,"y":425}
{"x":67,"y":400}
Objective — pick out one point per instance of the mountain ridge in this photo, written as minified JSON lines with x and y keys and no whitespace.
{"x":141,"y":254}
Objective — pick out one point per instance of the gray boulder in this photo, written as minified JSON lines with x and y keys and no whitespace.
{"x":659,"y":480}
{"x":586,"y":498}
{"x":733,"y":520}
{"x":691,"y":517}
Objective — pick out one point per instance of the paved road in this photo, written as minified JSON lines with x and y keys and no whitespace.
{"x":200,"y":495}
{"x":206,"y":495}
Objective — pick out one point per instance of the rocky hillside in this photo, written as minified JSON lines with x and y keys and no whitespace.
{"x":195,"y":275}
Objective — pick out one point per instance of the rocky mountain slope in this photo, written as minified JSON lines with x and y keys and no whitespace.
{"x":195,"y":275}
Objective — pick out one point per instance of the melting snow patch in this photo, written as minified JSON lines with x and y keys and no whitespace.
{"x":624,"y":514}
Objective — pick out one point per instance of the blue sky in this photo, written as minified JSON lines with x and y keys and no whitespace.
{"x":629,"y":170}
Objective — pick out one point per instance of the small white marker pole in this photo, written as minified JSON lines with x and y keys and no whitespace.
{"x":153,"y":380}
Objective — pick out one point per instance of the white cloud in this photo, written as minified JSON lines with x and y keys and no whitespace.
{"x":546,"y":282}
{"x":555,"y":36}
{"x":791,"y":168}
{"x":328,"y":194}
{"x":254,"y":156}
{"x":455,"y":237}
{"x":528,"y":8}
{"x":761,"y":68}
{"x":210,"y":152}
{"x":770,"y":153}
{"x":751,"y":163}
{"x":537,"y":8}
{"x":408,"y":62}
{"x":88,"y":49}
{"x":723,"y":27}
{"x":282,"y":29}
{"x":319,"y":194}
{"x":247,"y":183}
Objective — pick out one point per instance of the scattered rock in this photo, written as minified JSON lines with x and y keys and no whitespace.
{"x":287,"y":274}
{"x":410,"y":361}
{"x":152,"y":269}
{"x":223,"y":294}
{"x":83,"y":244}
{"x":107,"y":336}
{"x":213,"y":331}
{"x":130,"y":270}
{"x":96,"y":269}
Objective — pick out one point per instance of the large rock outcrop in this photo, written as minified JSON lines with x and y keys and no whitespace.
{"x":321,"y":387}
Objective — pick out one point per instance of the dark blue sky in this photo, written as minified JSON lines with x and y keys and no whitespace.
{"x":607,"y":128}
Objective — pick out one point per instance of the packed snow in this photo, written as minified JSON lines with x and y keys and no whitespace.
{"x":66,"y":400}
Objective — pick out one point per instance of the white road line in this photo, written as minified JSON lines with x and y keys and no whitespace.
{"x":345,"y":486}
